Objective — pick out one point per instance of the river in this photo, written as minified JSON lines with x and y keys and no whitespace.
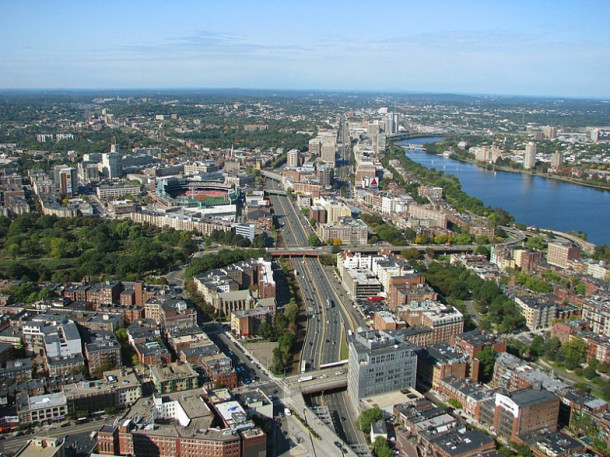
{"x":532,"y":200}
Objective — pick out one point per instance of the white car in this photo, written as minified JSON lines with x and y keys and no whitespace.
{"x":338,"y":373}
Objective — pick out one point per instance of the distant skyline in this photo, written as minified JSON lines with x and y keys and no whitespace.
{"x":536,"y":48}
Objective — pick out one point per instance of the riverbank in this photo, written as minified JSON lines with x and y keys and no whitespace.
{"x":495,"y":167}
{"x":532,"y":200}
{"x":409,"y":136}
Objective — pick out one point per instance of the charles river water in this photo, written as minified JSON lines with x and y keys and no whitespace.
{"x":532,"y":200}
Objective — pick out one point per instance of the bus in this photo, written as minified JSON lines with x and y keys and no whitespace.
{"x":305,"y":378}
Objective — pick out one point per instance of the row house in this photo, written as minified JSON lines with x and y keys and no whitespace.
{"x":192,"y":346}
{"x":219,"y":368}
{"x":128,"y":313}
{"x":469,"y":393}
{"x":142,"y":330}
{"x":596,"y":313}
{"x":153,"y":353}
{"x":512,"y":373}
{"x":98,"y":321}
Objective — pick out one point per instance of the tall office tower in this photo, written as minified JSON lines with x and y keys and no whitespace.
{"x":391,"y":123}
{"x":529,"y":161}
{"x":556,"y":159}
{"x":68,"y":182}
{"x":292,"y":159}
{"x":328,"y":152}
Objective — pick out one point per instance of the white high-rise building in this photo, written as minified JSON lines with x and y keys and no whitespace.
{"x":529,"y":160}
{"x":111,"y":163}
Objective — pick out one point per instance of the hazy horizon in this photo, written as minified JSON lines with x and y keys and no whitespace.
{"x":477,"y":47}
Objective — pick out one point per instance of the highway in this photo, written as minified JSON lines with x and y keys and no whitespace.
{"x":291,"y":227}
{"x":314,"y":312}
{"x":328,"y":319}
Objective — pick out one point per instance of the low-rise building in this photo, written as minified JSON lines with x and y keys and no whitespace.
{"x":361,"y":283}
{"x":189,"y":432}
{"x":445,"y":321}
{"x":174,"y":377}
{"x":116,"y":389}
{"x":153,"y":353}
{"x":41,"y":408}
{"x":347,"y":230}
{"x":43,"y":446}
{"x":219,"y":368}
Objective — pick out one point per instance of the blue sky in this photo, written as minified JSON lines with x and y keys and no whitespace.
{"x":534,"y":47}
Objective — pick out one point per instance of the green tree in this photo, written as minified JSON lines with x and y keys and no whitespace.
{"x":536,"y":242}
{"x":523,"y":450}
{"x":291,"y":311}
{"x":410,"y":254}
{"x":574,"y":353}
{"x":487,"y":359}
{"x":57,"y":248}
{"x":537,"y":347}
{"x":367,"y":417}
{"x":381,"y":447}
{"x":313,"y":240}
{"x":463,"y":238}
{"x":552,"y":348}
